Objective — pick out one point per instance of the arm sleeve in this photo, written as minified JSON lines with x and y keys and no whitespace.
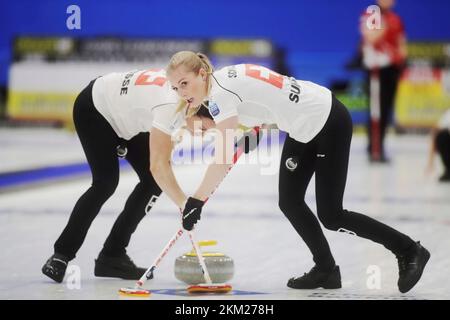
{"x":165,"y":119}
{"x":223,"y":106}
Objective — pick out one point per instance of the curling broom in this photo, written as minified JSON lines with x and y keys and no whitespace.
{"x":138,"y":291}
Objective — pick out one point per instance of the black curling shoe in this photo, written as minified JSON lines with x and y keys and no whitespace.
{"x":411,"y":267}
{"x":55,"y":267}
{"x":316,"y":278}
{"x":117,"y":267}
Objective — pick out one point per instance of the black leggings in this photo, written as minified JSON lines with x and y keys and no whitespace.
{"x":389,"y":77}
{"x":99,"y":143}
{"x":327,"y":156}
{"x":443,"y":147}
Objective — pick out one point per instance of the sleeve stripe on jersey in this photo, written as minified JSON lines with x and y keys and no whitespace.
{"x":226,"y":88}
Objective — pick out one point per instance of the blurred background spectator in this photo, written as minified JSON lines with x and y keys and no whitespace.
{"x":440,"y":143}
{"x":384,"y":55}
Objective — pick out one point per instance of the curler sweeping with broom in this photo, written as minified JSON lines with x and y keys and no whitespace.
{"x":117,"y":108}
{"x":319,"y":131}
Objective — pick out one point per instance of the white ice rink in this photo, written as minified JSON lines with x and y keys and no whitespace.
{"x":242,"y":215}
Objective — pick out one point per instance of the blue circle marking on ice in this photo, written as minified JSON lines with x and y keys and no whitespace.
{"x":183,"y":292}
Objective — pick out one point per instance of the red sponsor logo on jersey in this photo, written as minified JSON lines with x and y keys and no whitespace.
{"x":151,"y":77}
{"x":264,"y":74}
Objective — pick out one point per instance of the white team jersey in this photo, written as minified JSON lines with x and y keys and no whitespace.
{"x":133,"y":102}
{"x":444,"y":122}
{"x":258,"y":96}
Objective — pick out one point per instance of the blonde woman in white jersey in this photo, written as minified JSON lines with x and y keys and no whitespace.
{"x":319,"y":131}
{"x":113,"y":108}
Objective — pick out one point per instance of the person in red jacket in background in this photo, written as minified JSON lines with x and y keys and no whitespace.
{"x":384,"y":55}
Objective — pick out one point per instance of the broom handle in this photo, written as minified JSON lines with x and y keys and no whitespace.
{"x":149,"y":272}
{"x":200,"y":257}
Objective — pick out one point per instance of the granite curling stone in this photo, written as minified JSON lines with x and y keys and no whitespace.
{"x":219,"y":265}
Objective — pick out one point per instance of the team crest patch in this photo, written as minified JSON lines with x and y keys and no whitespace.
{"x":214,"y":109}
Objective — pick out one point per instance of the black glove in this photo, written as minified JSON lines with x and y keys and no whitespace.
{"x":251,"y":141}
{"x":191,"y":213}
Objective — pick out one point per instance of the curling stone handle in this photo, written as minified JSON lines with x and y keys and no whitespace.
{"x":204,"y":243}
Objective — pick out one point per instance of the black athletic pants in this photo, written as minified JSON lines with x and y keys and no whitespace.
{"x":327,"y":156}
{"x":389,"y":77}
{"x":99,"y":143}
{"x":443,"y":147}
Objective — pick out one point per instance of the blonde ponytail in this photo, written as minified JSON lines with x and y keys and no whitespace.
{"x":192,"y":62}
